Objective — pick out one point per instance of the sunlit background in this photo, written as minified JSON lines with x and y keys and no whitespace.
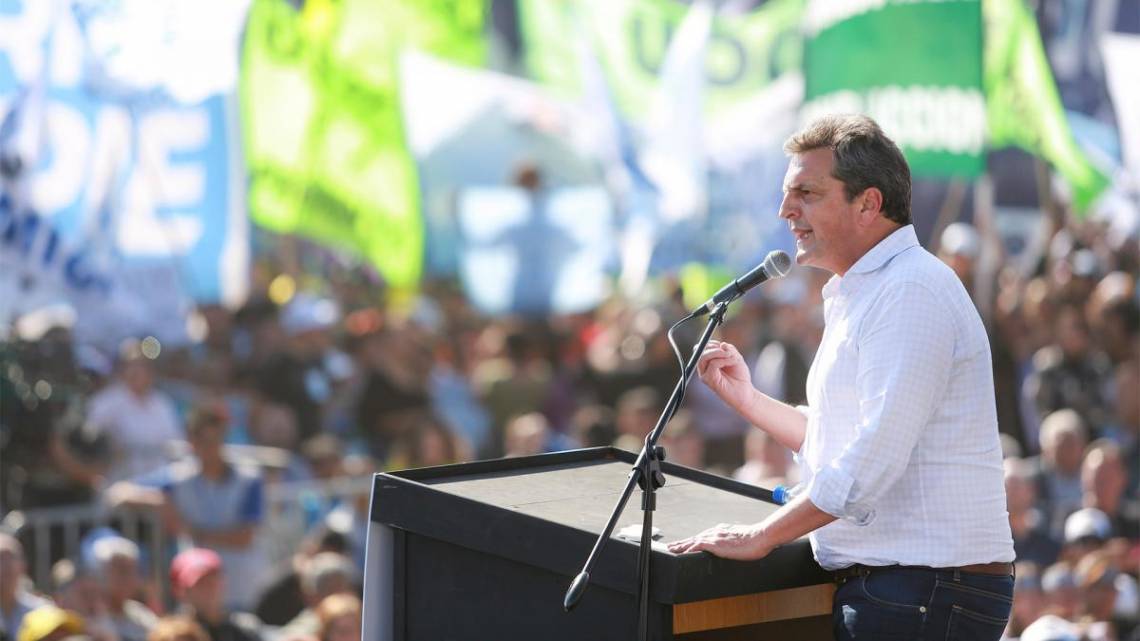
{"x":393,"y":233}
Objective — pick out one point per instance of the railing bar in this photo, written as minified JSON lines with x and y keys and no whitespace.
{"x":41,"y":532}
{"x":71,"y":539}
{"x":283,"y":509}
{"x":131,"y":524}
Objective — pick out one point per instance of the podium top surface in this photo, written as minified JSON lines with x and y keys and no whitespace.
{"x":547,"y":511}
{"x":582,"y":494}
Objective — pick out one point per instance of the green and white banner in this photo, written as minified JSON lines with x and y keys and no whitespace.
{"x":915,"y":66}
{"x":1024,"y":108}
{"x":744,"y":54}
{"x":324,"y":140}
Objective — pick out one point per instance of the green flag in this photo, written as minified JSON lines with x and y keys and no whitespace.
{"x":745,"y":51}
{"x":915,"y":67}
{"x":323,"y":135}
{"x":1022,"y":104}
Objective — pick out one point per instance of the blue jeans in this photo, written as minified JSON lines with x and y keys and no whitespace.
{"x":913,"y":604}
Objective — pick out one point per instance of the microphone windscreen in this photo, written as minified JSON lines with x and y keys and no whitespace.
{"x":779,"y":263}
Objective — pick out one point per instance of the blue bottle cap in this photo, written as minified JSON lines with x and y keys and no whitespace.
{"x":780,"y":494}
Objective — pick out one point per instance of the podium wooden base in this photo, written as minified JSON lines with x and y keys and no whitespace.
{"x":796,"y":613}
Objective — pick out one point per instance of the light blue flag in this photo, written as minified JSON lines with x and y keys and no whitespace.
{"x":131,"y":159}
{"x":535,"y":254}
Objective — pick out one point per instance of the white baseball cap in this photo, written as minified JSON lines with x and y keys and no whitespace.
{"x":1087,"y":523}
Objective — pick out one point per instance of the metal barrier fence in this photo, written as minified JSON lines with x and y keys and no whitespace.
{"x":53,"y":533}
{"x":294,"y":508}
{"x":291,"y":511}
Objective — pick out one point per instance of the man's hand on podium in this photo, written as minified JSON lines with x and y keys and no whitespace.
{"x":739,"y":542}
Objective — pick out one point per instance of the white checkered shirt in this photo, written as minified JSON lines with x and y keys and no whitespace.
{"x":902,"y":440}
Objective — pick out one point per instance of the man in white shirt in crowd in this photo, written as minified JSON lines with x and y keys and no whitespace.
{"x":898,"y":445}
{"x":139,"y":419}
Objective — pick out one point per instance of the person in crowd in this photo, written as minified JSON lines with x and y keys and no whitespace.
{"x":395,"y":396}
{"x":340,"y":616}
{"x":206,"y":500}
{"x":139,"y":420}
{"x":50,"y":623}
{"x":1059,"y":583}
{"x":1086,"y":530}
{"x":766,"y":462}
{"x":959,"y":247}
{"x":1013,"y":347}
{"x":1031,"y":538}
{"x":900,"y":417}
{"x":323,"y":460}
{"x":796,"y":323}
{"x":200,"y":587}
{"x":219,"y":505}
{"x":51,"y":456}
{"x":453,"y":398}
{"x":1072,"y":373}
{"x":177,"y":628}
{"x":1103,"y":481}
{"x":723,"y":429}
{"x":1113,"y":315}
{"x":518,"y":382}
{"x":275,"y":425}
{"x":16,"y":600}
{"x":322,"y":576}
{"x":684,"y":444}
{"x":1096,"y":581}
{"x":76,"y":590}
{"x":429,"y":443}
{"x":593,"y":426}
{"x":1063,"y":441}
{"x":284,"y":598}
{"x":1052,"y":628}
{"x":1010,"y":447}
{"x":526,"y":435}
{"x":1126,"y":430}
{"x":116,"y":568}
{"x":296,"y":375}
{"x":350,"y":518}
{"x":324,"y":456}
{"x":637,"y":414}
{"x":1025,"y":330}
{"x":1028,"y":598}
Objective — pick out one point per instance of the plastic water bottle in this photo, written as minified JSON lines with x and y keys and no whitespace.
{"x":782,"y":494}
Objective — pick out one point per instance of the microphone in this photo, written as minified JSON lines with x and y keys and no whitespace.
{"x":775,"y":265}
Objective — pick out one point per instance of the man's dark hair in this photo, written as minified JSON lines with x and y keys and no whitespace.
{"x":206,"y":413}
{"x":864,"y":157}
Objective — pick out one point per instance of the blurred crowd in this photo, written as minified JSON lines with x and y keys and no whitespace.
{"x":327,"y":383}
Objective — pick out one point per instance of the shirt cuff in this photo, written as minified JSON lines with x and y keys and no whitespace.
{"x":830,"y":492}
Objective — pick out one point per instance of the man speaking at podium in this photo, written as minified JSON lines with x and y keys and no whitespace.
{"x":902,"y":477}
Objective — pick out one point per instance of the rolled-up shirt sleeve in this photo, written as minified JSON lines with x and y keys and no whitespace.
{"x":905,"y":351}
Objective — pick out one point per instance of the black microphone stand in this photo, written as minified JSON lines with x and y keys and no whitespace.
{"x":647,"y":475}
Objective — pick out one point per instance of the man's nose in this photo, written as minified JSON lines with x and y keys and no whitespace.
{"x":787,"y":210}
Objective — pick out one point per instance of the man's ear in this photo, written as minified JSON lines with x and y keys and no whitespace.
{"x":870,"y":205}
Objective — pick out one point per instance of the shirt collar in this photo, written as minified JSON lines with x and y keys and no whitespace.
{"x":894,"y":244}
{"x":898,"y":241}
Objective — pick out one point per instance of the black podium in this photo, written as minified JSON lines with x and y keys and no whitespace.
{"x":486,"y":550}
